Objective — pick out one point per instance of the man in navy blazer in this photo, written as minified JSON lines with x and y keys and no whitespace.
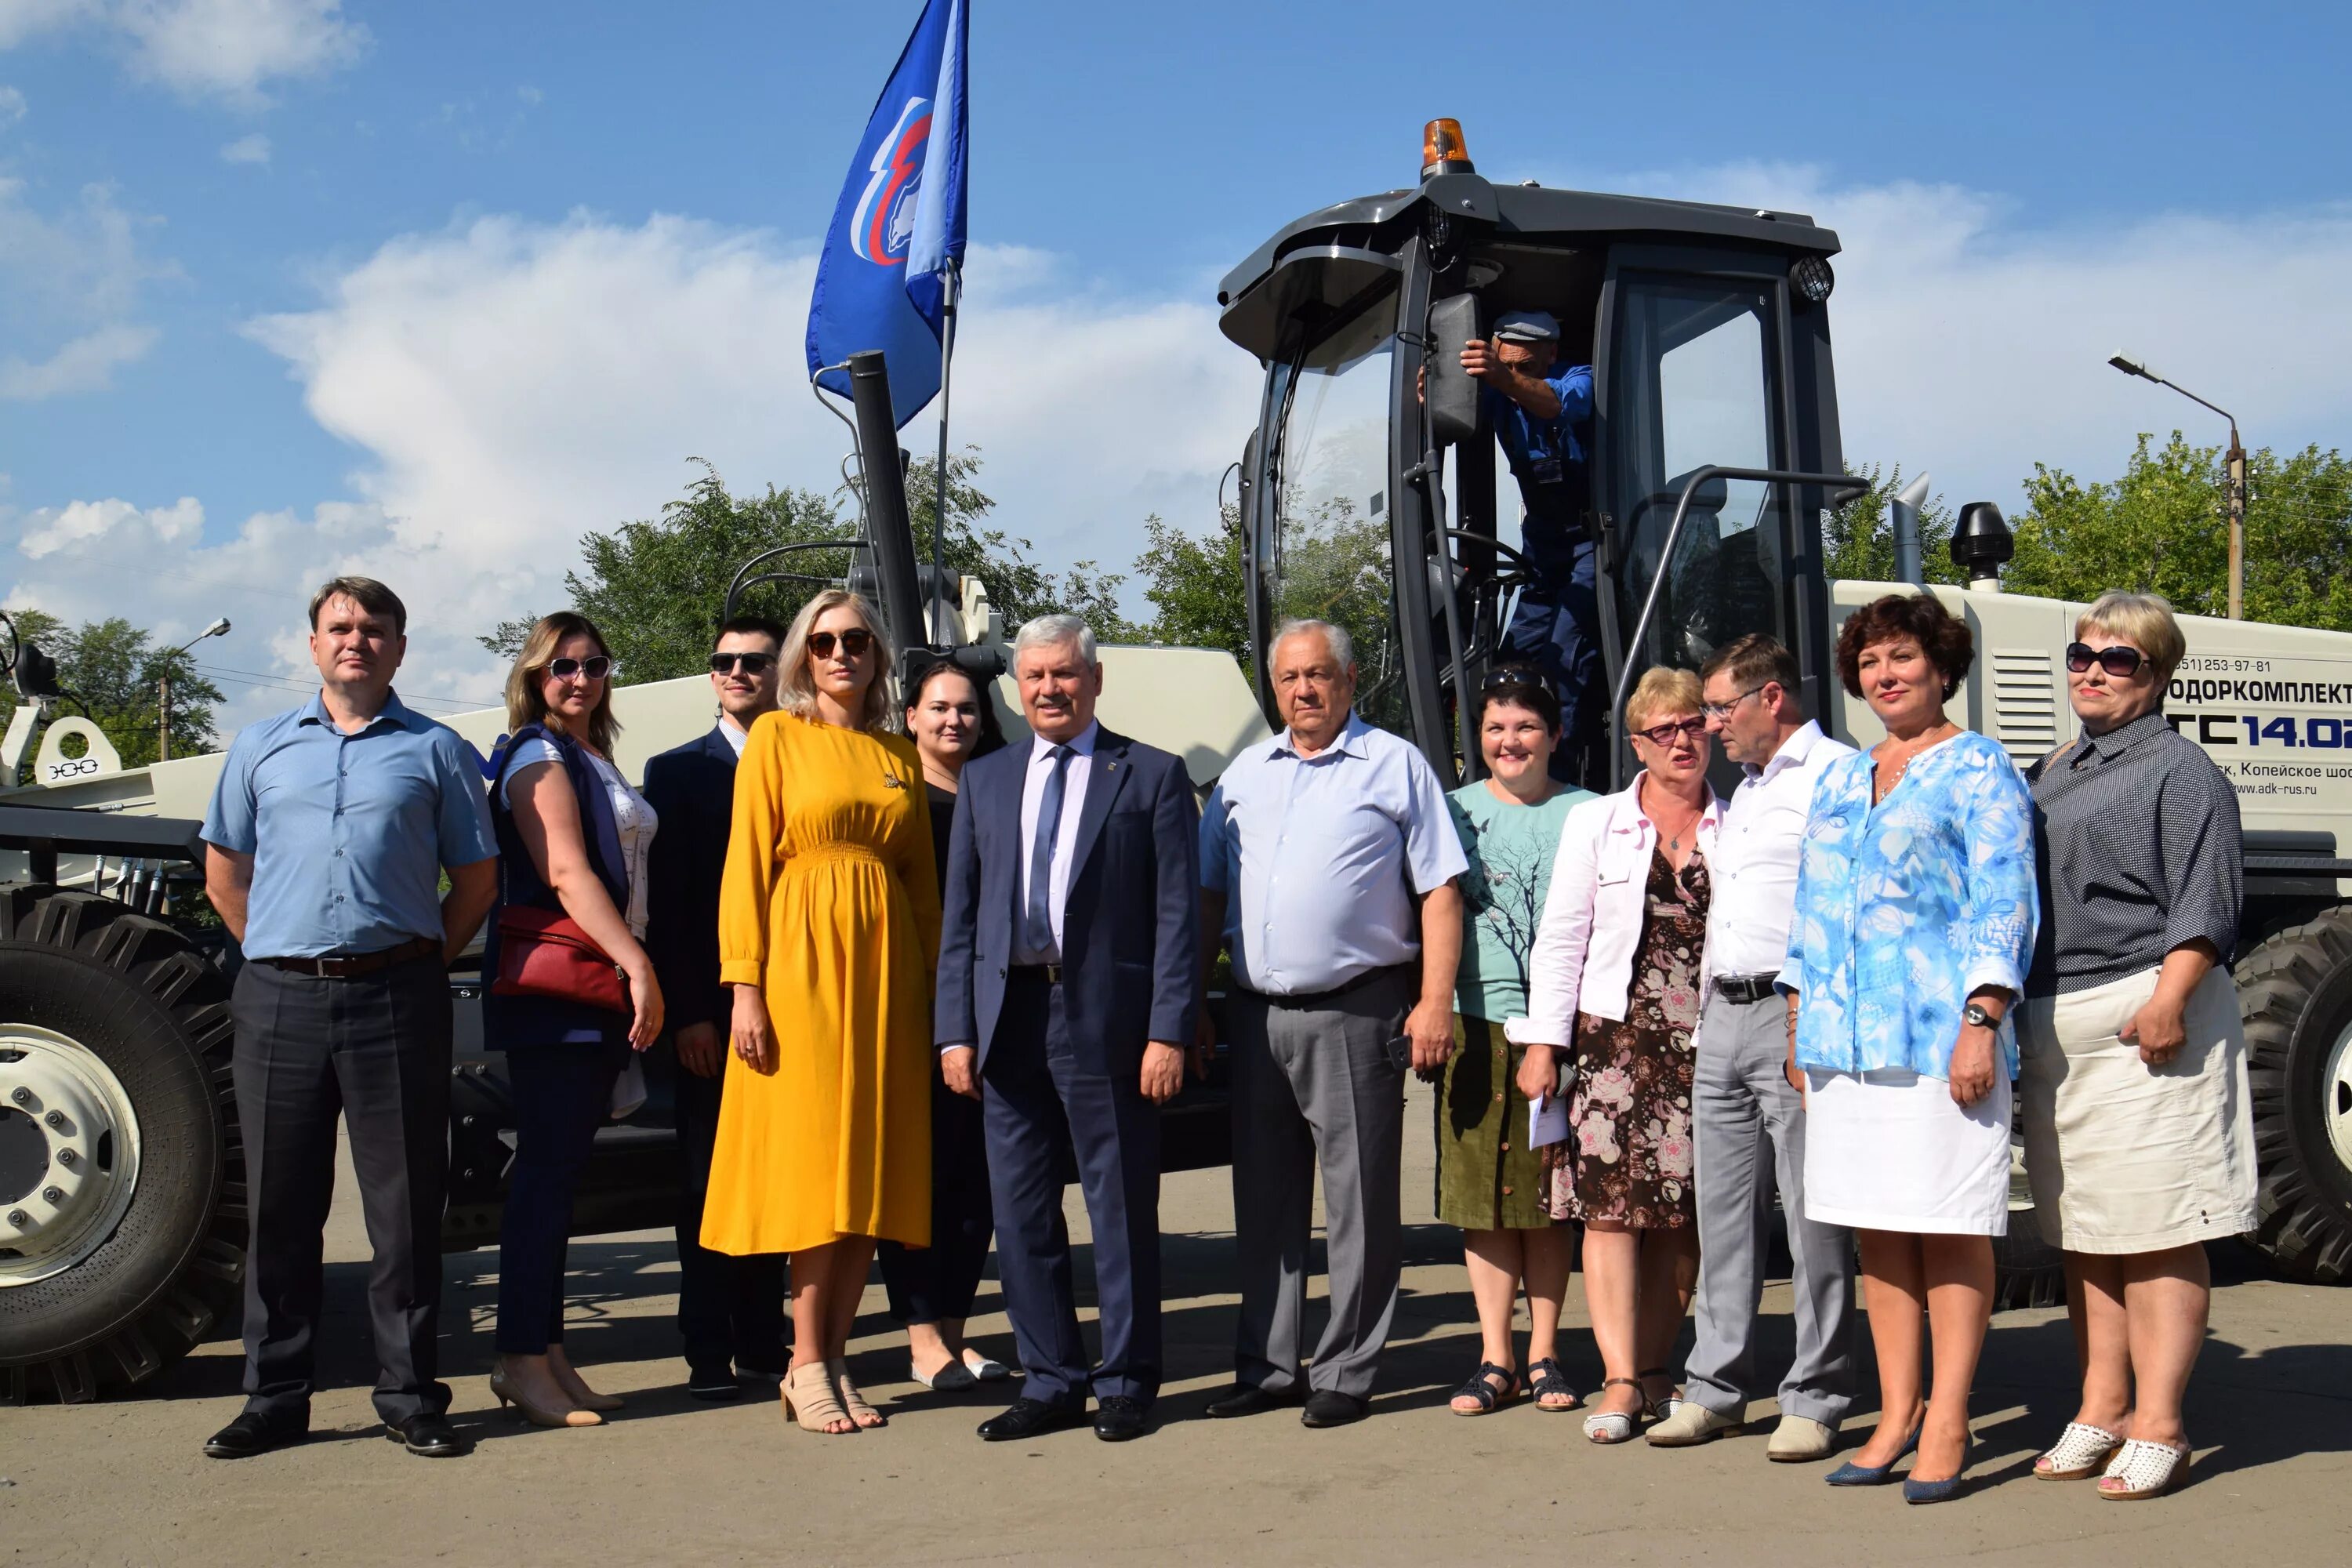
{"x":731,"y":1310}
{"x":1066,"y":995}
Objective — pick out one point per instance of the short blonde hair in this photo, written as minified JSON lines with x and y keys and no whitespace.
{"x":526,"y":689}
{"x":796,"y":690}
{"x":1662,"y":689}
{"x":2147,"y":619}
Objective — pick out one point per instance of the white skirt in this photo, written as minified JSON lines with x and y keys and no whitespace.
{"x":2124,"y":1157}
{"x":1891,"y":1150}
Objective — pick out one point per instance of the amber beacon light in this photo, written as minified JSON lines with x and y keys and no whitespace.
{"x":1443,"y":149}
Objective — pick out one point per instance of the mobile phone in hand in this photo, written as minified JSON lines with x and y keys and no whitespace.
{"x":1400,"y":1052}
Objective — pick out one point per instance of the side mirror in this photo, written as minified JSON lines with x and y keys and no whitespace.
{"x":1454,"y":322}
{"x":35,"y":674}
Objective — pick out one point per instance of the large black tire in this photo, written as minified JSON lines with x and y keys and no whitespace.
{"x":133,"y":993}
{"x":2294,"y":991}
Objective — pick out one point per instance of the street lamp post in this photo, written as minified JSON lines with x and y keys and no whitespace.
{"x":2236,"y":468}
{"x":163,"y":733}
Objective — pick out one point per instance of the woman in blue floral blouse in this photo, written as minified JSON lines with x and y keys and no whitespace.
{"x":1914,"y":921}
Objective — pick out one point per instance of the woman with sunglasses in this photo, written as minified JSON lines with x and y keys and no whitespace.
{"x":828,"y":933}
{"x":1914,"y":918}
{"x":2139,"y":1138}
{"x":1489,"y":1179}
{"x":952,"y":722}
{"x":1613,"y":986}
{"x":573,"y":838}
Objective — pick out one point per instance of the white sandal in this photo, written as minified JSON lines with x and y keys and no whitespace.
{"x":1612,"y":1426}
{"x":2146,"y":1470}
{"x":2081,"y":1450}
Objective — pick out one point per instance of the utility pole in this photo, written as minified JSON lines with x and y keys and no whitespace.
{"x":164,"y":685}
{"x":2236,"y":461}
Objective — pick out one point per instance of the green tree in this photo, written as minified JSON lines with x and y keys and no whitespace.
{"x":113,"y":672}
{"x":1196,"y":585}
{"x":2163,"y":527}
{"x":1858,"y":538}
{"x":657,"y":588}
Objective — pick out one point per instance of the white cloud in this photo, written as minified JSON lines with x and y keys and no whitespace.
{"x":71,"y":283}
{"x":228,"y":49}
{"x":253,"y":149}
{"x":12,"y":107}
{"x":45,"y":532}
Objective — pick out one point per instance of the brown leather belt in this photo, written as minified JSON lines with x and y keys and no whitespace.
{"x":351,"y":966}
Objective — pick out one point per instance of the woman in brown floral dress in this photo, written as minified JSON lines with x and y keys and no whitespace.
{"x":1613,"y":984}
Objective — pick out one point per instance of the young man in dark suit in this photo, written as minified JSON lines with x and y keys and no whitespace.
{"x":731,"y":1310}
{"x":1067,"y":989}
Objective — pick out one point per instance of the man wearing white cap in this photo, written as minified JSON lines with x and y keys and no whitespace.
{"x":1542,"y":415}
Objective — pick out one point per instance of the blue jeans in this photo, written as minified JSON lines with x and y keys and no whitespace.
{"x":1555,"y":628}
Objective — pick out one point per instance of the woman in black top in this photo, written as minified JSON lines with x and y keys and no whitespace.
{"x":951,"y":720}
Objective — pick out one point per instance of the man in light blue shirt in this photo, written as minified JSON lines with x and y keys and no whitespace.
{"x":1329,"y":869}
{"x":327,"y":835}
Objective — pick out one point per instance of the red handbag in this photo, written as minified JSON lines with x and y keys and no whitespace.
{"x":543,"y":953}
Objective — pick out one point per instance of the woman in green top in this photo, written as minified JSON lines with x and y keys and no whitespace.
{"x":1489,"y":1182}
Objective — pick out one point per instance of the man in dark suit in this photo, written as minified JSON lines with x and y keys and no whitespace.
{"x":731,"y":1310}
{"x":1065,"y":987}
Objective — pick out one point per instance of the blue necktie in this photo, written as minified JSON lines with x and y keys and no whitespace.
{"x":1041,"y":854}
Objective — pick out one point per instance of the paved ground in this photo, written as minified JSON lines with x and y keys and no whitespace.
{"x":674,"y":1481}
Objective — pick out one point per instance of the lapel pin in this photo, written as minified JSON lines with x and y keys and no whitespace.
{"x":892,"y":781}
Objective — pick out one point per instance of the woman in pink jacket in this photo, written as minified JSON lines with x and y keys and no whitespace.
{"x":1614,"y":987}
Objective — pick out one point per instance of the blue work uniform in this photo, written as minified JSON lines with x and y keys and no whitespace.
{"x":1555,"y":624}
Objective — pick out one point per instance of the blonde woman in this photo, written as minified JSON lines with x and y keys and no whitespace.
{"x":573,"y":837}
{"x":2139,"y":1137}
{"x":1613,"y":987}
{"x":828,"y":933}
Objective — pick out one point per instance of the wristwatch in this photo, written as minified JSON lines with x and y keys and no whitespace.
{"x":1974,"y":1013}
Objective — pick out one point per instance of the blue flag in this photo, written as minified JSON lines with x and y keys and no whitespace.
{"x":898,"y":232}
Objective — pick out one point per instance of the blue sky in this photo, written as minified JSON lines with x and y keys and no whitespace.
{"x":495,"y":238}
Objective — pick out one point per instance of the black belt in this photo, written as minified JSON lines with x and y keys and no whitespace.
{"x":351,"y":965}
{"x":1745,"y":987}
{"x":1051,"y":973}
{"x":1302,"y":999}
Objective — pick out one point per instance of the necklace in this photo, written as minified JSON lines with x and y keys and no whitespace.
{"x":1899,"y":756}
{"x":1674,"y":840}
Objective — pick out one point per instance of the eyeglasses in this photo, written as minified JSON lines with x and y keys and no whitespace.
{"x":2121,"y":662}
{"x":751,"y":663}
{"x":1510,"y":677}
{"x":595,"y":667}
{"x":854,"y":643}
{"x":1725,"y":709}
{"x":1663,"y":734}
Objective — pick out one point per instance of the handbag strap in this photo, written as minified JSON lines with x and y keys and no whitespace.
{"x":585,"y":786}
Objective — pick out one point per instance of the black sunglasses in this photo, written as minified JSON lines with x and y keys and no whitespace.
{"x":854,"y":643}
{"x":595,"y":667}
{"x":2121,"y":662}
{"x":1663,"y":734}
{"x":1510,"y":677}
{"x":752,"y":663}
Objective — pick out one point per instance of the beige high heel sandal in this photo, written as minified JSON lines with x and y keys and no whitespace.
{"x":865,"y":1415}
{"x":809,"y":1400}
{"x":537,"y":1414}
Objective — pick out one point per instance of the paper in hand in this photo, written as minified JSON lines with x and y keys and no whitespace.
{"x":1547,"y":1122}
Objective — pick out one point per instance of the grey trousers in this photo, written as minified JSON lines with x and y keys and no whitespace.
{"x":1751,"y":1128}
{"x":1315,"y":1085}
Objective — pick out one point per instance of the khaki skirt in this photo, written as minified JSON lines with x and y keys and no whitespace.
{"x":2124,"y":1157}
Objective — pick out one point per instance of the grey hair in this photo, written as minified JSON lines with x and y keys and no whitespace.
{"x":1053,"y":631}
{"x":1335,"y":639}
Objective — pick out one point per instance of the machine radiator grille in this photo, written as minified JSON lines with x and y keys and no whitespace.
{"x":2025,"y":703}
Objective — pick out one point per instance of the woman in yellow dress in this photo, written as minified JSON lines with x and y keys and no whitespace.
{"x":828,"y":933}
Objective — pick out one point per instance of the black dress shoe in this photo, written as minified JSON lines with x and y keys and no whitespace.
{"x":713,"y":1384}
{"x":1247,"y":1399}
{"x":1330,"y":1407}
{"x":250,"y":1434}
{"x":430,"y":1435}
{"x":1031,"y":1418}
{"x":1119,"y":1416}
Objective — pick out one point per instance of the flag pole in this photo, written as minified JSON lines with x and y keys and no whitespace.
{"x":940,"y":500}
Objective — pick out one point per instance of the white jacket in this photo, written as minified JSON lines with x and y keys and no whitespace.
{"x":1592,"y":927}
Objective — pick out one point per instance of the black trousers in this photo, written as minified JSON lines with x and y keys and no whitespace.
{"x":1040,"y":1099}
{"x":730,"y":1310}
{"x":561,"y":1095}
{"x":374,"y":1050}
{"x":929,"y":1283}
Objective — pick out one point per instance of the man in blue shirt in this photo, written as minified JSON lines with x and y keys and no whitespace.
{"x":1542,"y":416}
{"x":329,"y":833}
{"x":1329,"y":868}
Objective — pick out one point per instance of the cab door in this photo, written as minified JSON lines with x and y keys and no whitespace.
{"x":1693,"y":367}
